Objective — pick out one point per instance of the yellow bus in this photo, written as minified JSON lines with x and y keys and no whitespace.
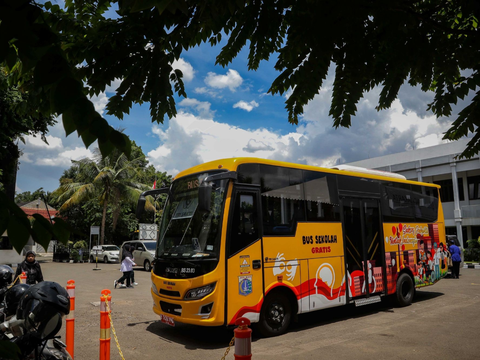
{"x":268,"y":240}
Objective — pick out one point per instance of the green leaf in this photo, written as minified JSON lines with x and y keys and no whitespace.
{"x":3,"y":213}
{"x":61,"y":230}
{"x":88,"y":138}
{"x":42,"y":230}
{"x":19,"y":230}
{"x":162,"y":5}
{"x":9,"y":350}
{"x":105,"y":146}
{"x":11,"y":59}
{"x":140,"y":5}
{"x":66,"y":93}
{"x":121,"y":141}
{"x":50,"y":69}
{"x":68,"y":123}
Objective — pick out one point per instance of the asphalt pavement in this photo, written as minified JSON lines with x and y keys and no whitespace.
{"x":442,"y":323}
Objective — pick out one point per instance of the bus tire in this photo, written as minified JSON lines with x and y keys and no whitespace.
{"x":147,"y":266}
{"x":275,"y":315}
{"x":405,"y":290}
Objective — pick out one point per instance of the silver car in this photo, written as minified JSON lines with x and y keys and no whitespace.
{"x":143,"y":253}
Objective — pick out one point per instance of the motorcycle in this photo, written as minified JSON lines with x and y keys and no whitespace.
{"x":36,"y":321}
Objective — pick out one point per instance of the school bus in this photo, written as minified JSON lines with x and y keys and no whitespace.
{"x":268,"y":240}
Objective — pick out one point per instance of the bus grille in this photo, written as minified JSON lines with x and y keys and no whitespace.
{"x":171,"y":308}
{"x":169,"y":293}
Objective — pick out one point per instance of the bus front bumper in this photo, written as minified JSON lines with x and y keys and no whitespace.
{"x":204,"y":312}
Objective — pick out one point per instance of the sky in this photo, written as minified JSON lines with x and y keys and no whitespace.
{"x":228,"y":113}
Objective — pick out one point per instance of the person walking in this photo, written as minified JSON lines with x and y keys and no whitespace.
{"x":31,"y":268}
{"x":456,"y":254}
{"x":132,"y":248}
{"x":126,"y":267}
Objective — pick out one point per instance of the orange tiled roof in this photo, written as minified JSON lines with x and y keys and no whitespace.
{"x":42,"y":212}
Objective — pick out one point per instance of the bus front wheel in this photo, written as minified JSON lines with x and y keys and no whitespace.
{"x":405,"y":290}
{"x":275,"y":315}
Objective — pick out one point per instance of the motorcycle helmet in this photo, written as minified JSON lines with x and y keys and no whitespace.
{"x":12,"y":298}
{"x":6,"y":275}
{"x":42,"y":308}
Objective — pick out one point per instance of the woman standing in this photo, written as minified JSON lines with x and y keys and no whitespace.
{"x":31,"y":268}
{"x":126,"y":268}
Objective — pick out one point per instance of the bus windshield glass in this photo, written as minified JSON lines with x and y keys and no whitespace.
{"x":185,"y":231}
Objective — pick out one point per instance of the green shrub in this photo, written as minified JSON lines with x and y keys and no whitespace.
{"x":80,"y":244}
{"x":75,"y":255}
{"x":472,"y":252}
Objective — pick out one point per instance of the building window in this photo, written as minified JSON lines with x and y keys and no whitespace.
{"x":446,"y":192}
{"x":475,"y":234}
{"x":473,"y":187}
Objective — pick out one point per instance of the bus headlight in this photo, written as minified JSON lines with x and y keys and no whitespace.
{"x":154,"y":289}
{"x":198,"y":293}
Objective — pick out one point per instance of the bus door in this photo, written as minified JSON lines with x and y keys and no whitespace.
{"x":364,"y":250}
{"x":244,"y":255}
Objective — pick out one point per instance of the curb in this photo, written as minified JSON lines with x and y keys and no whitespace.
{"x":471,"y":266}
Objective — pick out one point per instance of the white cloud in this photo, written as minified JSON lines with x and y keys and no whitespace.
{"x":314,"y":141}
{"x":41,"y":165}
{"x":246,"y":106}
{"x":99,"y":102}
{"x":191,"y":140}
{"x":37,"y":142}
{"x":232,"y":80}
{"x":186,"y":68}
{"x":113,"y":86}
{"x":201,"y":90}
{"x":253,"y":146}
{"x":202,"y":107}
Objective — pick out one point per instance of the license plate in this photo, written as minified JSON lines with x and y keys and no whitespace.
{"x":167,"y":320}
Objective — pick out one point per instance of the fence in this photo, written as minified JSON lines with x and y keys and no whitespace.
{"x":62,"y":253}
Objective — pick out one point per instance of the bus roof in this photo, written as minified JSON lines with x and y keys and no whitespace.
{"x":232,"y":164}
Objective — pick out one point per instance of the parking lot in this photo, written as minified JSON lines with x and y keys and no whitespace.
{"x":442,"y":323}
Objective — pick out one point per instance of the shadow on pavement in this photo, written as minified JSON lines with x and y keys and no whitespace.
{"x":192,"y":336}
{"x":199,"y":337}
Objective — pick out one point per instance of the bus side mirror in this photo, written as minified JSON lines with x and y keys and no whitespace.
{"x":140,"y":206}
{"x":205,"y":196}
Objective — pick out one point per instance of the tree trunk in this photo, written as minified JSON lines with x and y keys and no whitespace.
{"x":104,"y":216}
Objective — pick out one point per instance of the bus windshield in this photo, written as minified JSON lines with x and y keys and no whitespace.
{"x":185,"y":231}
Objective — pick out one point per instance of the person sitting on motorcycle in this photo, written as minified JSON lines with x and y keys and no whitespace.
{"x":31,"y":268}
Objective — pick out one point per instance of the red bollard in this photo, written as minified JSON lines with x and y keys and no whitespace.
{"x":23,"y":278}
{"x":70,"y":321}
{"x":243,"y":339}
{"x":105,"y":325}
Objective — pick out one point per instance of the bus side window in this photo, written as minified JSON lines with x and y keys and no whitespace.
{"x":244,"y":223}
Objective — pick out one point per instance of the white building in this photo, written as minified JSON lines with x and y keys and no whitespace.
{"x":459,"y":179}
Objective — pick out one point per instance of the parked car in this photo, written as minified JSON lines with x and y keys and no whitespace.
{"x":144,"y":252}
{"x":105,"y":253}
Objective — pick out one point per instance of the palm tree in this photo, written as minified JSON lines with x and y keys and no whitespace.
{"x":109,"y":179}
